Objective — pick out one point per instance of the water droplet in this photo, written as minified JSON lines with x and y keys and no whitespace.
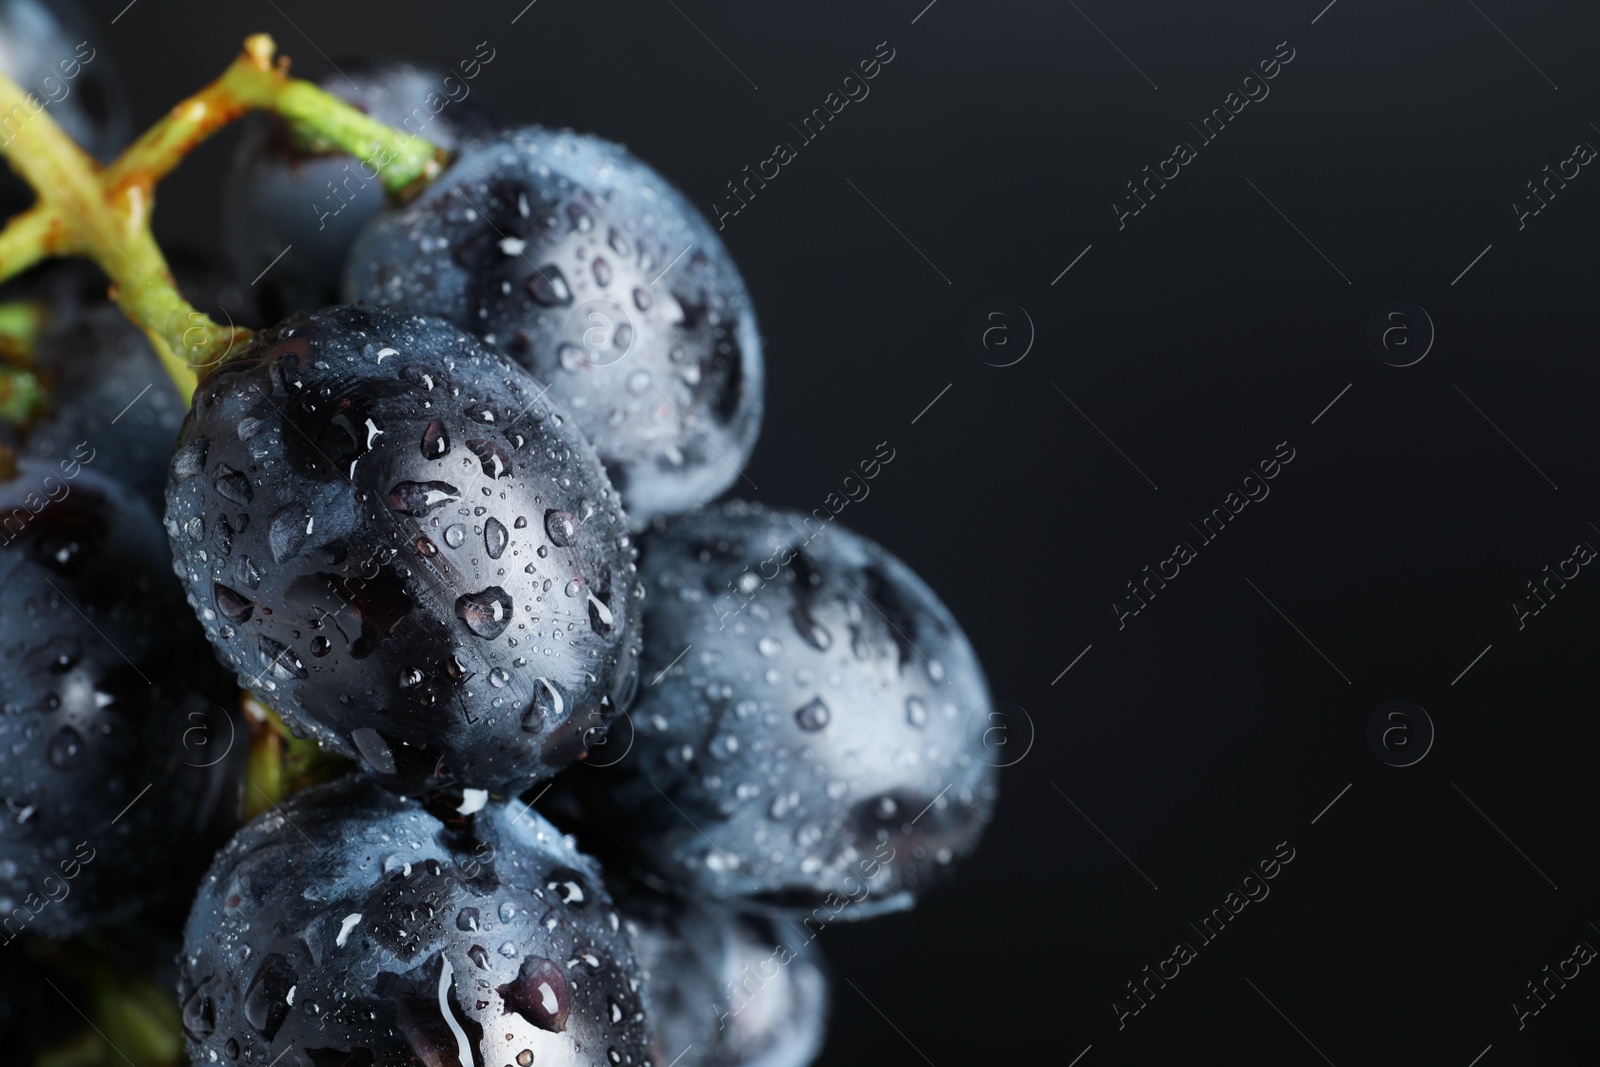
{"x":495,"y":538}
{"x":539,"y":994}
{"x":231,"y":605}
{"x":419,"y":498}
{"x":222,"y":536}
{"x":548,"y":706}
{"x":642,"y":299}
{"x":374,"y":749}
{"x":814,"y":715}
{"x":569,"y":887}
{"x":600,"y":620}
{"x":769,"y":646}
{"x":455,"y":534}
{"x":266,"y":1002}
{"x":435,"y":441}
{"x":494,"y":460}
{"x":199,"y":1013}
{"x":813,"y":632}
{"x":499,"y":677}
{"x":231,"y":484}
{"x":548,"y":286}
{"x":190,"y":460}
{"x":487,"y":613}
{"x":320,"y":646}
{"x":638,"y":382}
{"x":916,"y":712}
{"x":289,"y":530}
{"x":247,"y":572}
{"x":65,"y":748}
{"x":574,"y":587}
{"x":562,"y":526}
{"x":281,"y":660}
{"x":602,"y":272}
{"x":467,"y":919}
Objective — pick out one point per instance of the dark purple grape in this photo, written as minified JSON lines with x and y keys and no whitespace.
{"x":52,"y":50}
{"x":725,"y":989}
{"x":355,"y":927}
{"x":121,"y":759}
{"x":814,"y":715}
{"x":283,"y":193}
{"x":588,"y":268}
{"x":111,"y":397}
{"x":397,"y":541}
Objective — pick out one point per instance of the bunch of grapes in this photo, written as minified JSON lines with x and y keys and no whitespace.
{"x":412,"y":698}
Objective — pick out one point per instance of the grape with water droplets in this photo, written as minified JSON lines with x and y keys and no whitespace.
{"x":119,"y":763}
{"x":396,"y":539}
{"x":104,"y":369}
{"x":587,"y":267}
{"x":357,"y":927}
{"x":723,"y":988}
{"x":815,"y":717}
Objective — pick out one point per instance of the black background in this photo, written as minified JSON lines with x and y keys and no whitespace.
{"x":1196,"y":338}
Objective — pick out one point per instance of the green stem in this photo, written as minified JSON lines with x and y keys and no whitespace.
{"x":105,"y":213}
{"x":255,"y":82}
{"x":21,"y":395}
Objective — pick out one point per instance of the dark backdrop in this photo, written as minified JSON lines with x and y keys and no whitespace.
{"x":1188,"y":741}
